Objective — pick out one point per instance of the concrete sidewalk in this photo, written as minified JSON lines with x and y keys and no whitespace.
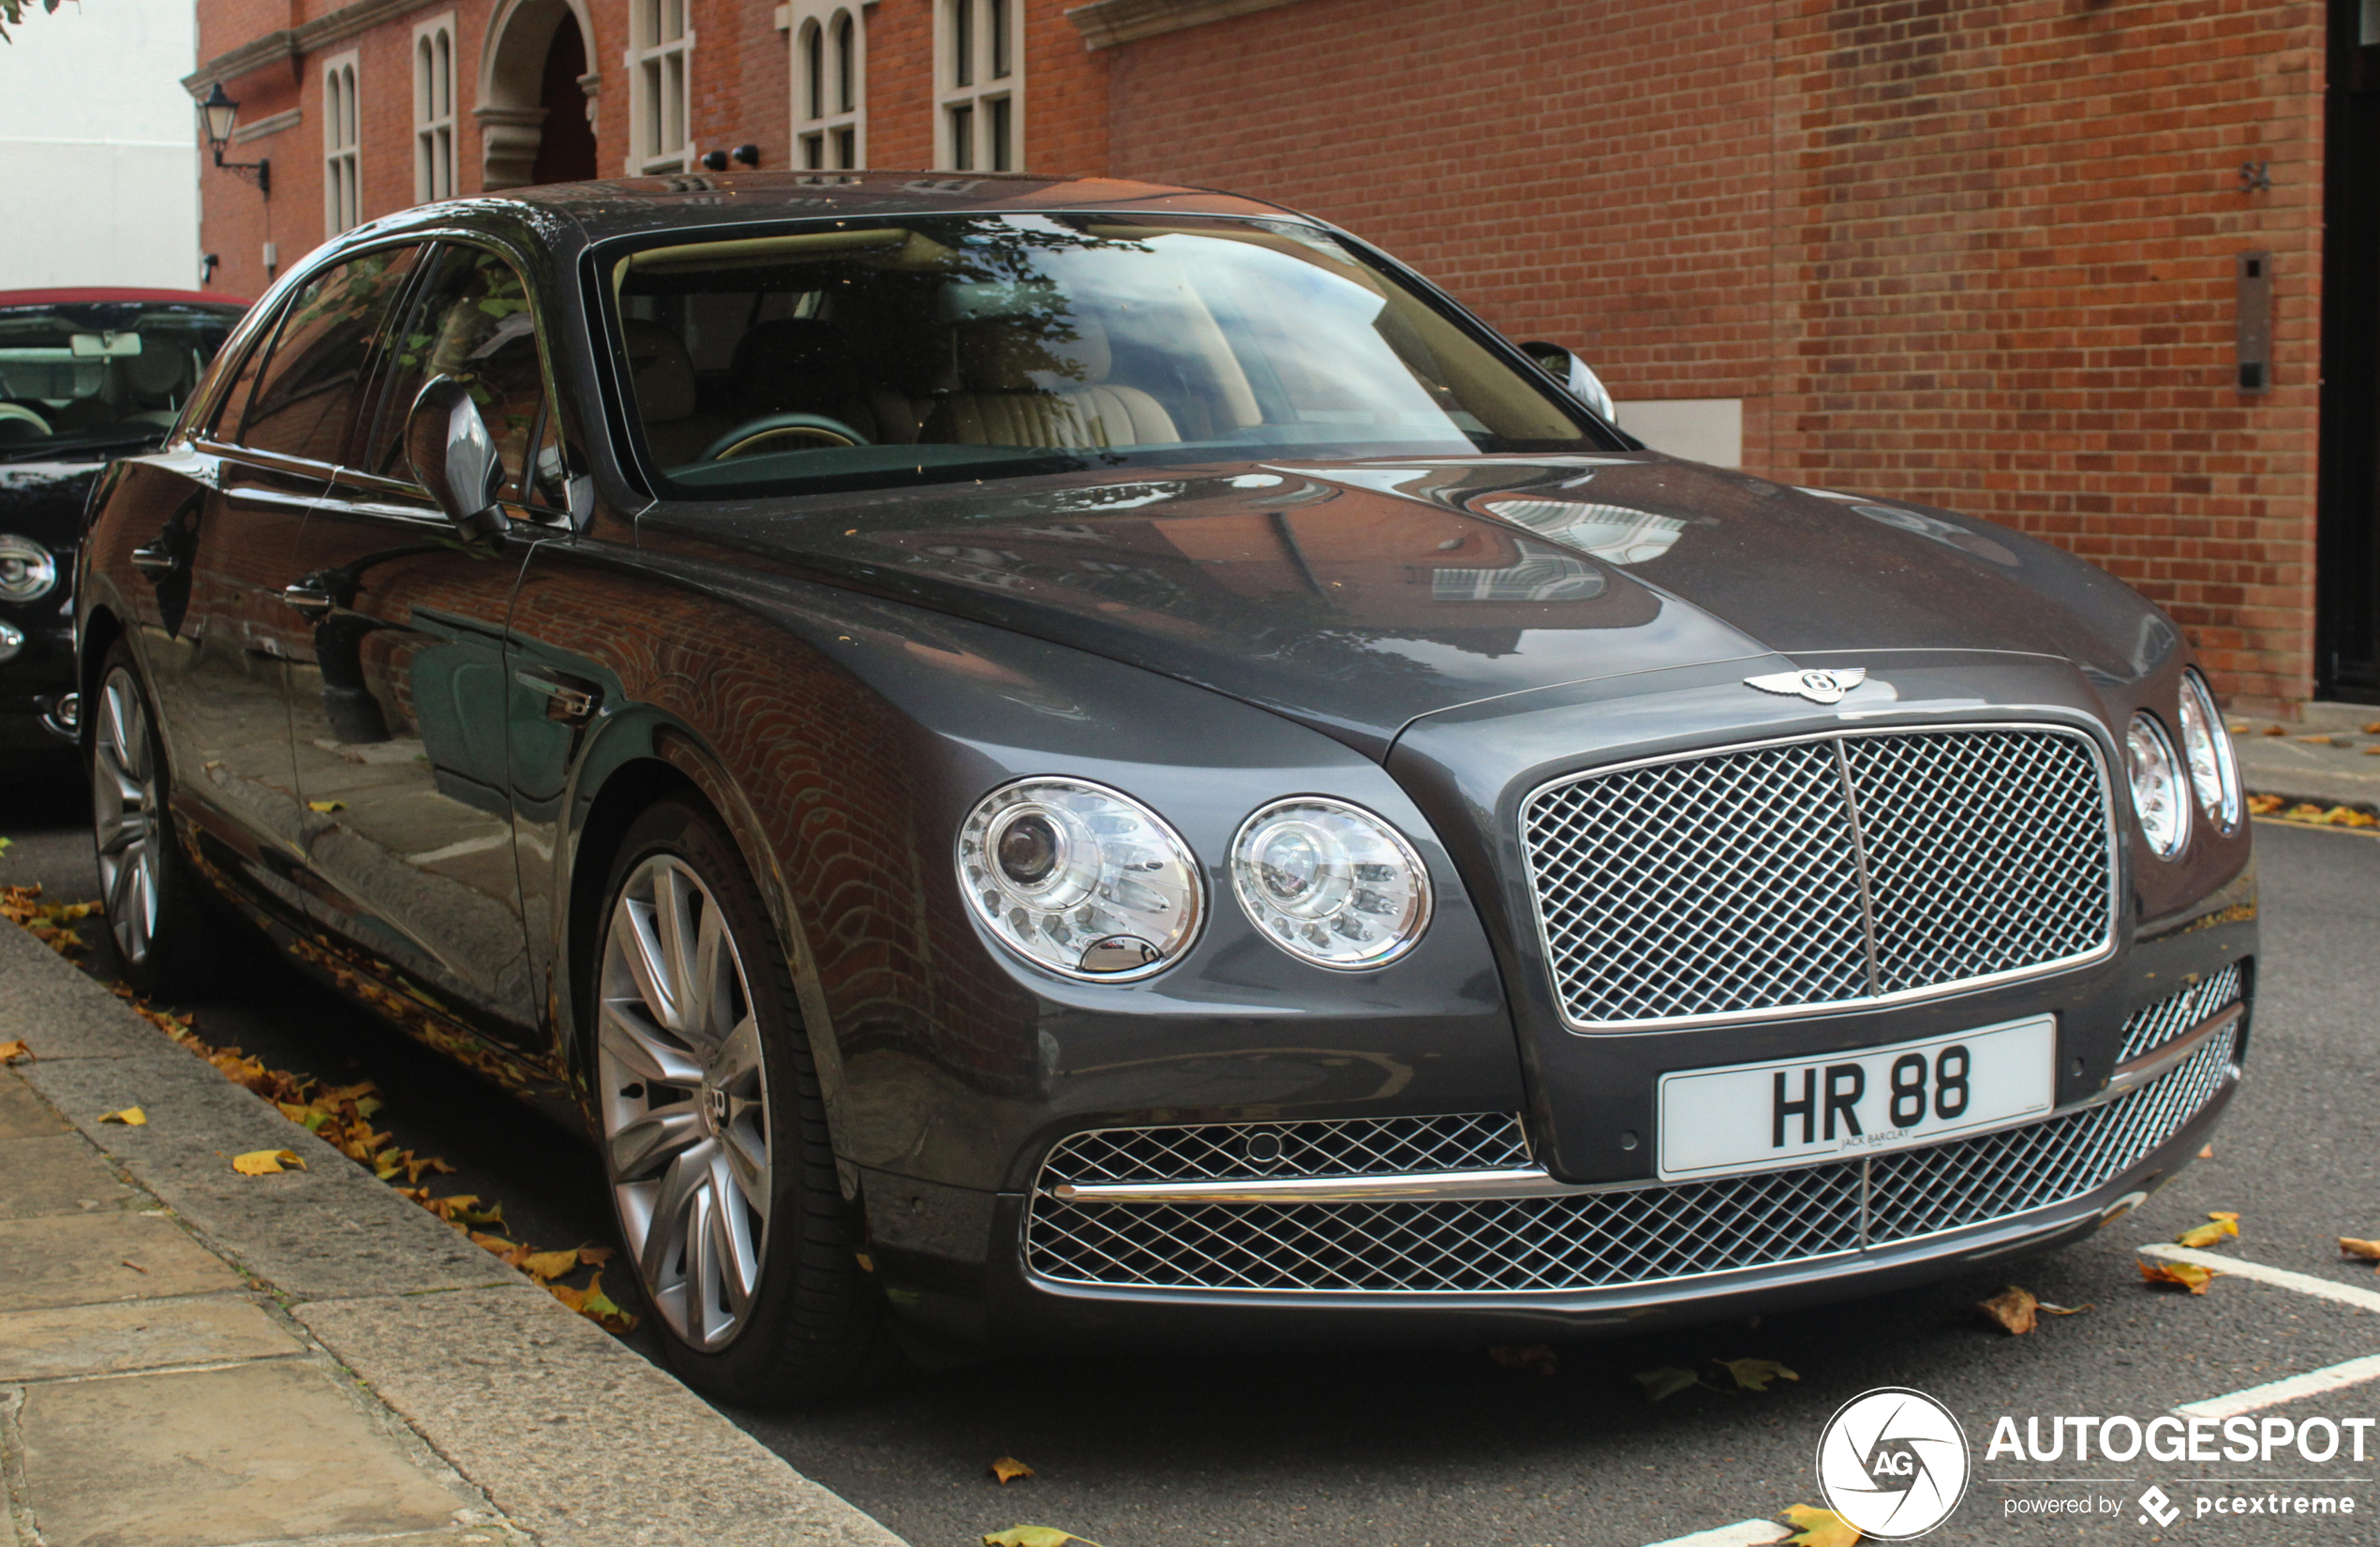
{"x":2328,"y":758}
{"x":194,"y":1358}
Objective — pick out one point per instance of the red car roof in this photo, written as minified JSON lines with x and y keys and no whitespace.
{"x":88,"y":295}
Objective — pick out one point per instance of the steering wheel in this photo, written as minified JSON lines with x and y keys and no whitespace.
{"x":796,"y":431}
{"x":19,"y":411}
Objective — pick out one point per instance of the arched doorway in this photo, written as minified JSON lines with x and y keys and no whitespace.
{"x":537,"y":108}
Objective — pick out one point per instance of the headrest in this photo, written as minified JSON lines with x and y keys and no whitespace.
{"x":1017,"y":357}
{"x":792,"y":362}
{"x":663,"y":370}
{"x":161,"y":365}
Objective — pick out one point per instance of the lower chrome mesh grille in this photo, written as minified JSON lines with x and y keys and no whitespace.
{"x":1643,"y":1235}
{"x":2153,"y":1025}
{"x":1230,"y":1152}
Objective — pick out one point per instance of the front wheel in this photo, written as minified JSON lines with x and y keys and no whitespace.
{"x":713,"y":1128}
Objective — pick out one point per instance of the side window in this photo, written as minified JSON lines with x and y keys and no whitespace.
{"x":306,"y":393}
{"x":471,"y":321}
{"x":223,"y":417}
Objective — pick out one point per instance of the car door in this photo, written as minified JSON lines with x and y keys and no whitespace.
{"x":219,"y":651}
{"x":398,"y":688}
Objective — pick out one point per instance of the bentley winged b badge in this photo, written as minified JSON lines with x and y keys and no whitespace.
{"x":1818,"y":687}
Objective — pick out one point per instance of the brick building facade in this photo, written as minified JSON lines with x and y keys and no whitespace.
{"x":1983,"y":253}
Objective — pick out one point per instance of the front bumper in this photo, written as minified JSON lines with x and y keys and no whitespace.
{"x":1506,"y":1253}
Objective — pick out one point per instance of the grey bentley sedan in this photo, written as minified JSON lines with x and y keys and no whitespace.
{"x":1050,"y":761}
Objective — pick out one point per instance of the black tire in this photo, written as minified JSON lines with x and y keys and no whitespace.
{"x":166,"y":930}
{"x":814,"y":1324}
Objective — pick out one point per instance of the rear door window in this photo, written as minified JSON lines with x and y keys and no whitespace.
{"x":305,"y":394}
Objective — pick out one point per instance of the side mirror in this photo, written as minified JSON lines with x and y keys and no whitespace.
{"x":1579,"y":381}
{"x":453,"y":456}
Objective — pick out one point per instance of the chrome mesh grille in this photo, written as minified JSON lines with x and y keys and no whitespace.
{"x":2152,"y":1025}
{"x":1218,"y":1151}
{"x":1822,"y":871}
{"x":1643,"y":1235}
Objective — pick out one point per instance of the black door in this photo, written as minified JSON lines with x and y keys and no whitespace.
{"x":220,"y":670}
{"x":2348,"y":627}
{"x":397,"y":694}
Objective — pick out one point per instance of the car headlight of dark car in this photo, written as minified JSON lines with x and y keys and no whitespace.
{"x":27,"y":571}
{"x":2159,"y":789}
{"x":2213,"y":774}
{"x":1080,"y":879}
{"x":1330,"y":882}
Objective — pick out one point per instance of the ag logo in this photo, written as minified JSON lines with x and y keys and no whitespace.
{"x":1894,"y":1463}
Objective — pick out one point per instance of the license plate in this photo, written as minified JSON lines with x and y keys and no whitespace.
{"x":1787,"y":1111}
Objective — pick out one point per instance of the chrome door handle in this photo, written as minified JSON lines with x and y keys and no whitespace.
{"x":312,"y":600}
{"x":155,"y":559}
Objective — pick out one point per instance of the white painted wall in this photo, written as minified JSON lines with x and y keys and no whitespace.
{"x":1699,"y":429}
{"x":98,"y":158}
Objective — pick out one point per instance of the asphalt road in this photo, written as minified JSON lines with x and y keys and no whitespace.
{"x":1457,"y":1450}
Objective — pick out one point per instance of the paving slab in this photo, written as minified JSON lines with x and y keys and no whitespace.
{"x":63,"y":1014}
{"x":331,"y":1229}
{"x":61,"y":1174}
{"x":23,"y":1114}
{"x":2301,"y":770}
{"x":83,"y":1259}
{"x":575,"y":1439}
{"x":145,"y":1334}
{"x":260,"y":1451}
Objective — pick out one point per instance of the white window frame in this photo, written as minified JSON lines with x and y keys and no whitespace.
{"x":342,"y":147}
{"x":434,"y":109}
{"x":830,"y":125}
{"x":973,"y":94}
{"x":661,"y":74}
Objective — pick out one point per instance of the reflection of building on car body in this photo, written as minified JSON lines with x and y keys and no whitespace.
{"x":1078,"y":761}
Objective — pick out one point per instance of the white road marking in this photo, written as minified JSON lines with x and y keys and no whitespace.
{"x":1744,"y":1533}
{"x":2305,"y":1284}
{"x":2355,"y":1372}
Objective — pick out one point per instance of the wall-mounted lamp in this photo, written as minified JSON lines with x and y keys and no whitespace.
{"x":219,"y":112}
{"x":743,"y":155}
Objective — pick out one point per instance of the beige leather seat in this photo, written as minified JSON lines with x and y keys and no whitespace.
{"x":663,"y":374}
{"x":1021,"y":387}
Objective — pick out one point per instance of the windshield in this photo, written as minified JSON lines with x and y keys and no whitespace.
{"x":950,"y":347}
{"x":93,"y":376}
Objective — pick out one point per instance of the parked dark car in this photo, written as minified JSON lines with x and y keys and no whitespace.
{"x":1076,"y":760}
{"x":85,"y":374}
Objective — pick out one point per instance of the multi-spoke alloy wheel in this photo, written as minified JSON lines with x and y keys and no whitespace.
{"x":684,"y":1098}
{"x":128,"y":818}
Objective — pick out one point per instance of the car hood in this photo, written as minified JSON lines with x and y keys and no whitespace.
{"x":1360,"y":597}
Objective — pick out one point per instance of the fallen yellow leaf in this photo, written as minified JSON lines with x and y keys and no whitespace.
{"x":1009,"y":1468}
{"x":2013,"y":1310}
{"x":1533,"y":1356}
{"x":2366,"y":1249}
{"x":1034,"y":1535}
{"x":266,"y":1161}
{"x":15,"y":1052}
{"x":1667,"y":1381}
{"x":2188,"y":1274}
{"x":2218,"y":1227}
{"x":2206,"y":1153}
{"x":1819,"y":1529}
{"x":595,"y":1305}
{"x":131,"y":1116}
{"x":326,"y":807}
{"x":547,"y":1266}
{"x":1754,"y":1375}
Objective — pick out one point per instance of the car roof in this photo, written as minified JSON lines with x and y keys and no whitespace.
{"x":84,"y":295}
{"x":624,"y":206}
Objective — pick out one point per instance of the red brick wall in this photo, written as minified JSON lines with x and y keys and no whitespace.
{"x":1973,"y":253}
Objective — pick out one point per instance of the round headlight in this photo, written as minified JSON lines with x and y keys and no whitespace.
{"x":2208,"y":747}
{"x":27,"y":572}
{"x":2160,"y":797}
{"x":1080,"y":879}
{"x":1330,"y":882}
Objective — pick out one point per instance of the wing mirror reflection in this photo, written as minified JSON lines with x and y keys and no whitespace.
{"x":1579,"y":381}
{"x":454,"y":457}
